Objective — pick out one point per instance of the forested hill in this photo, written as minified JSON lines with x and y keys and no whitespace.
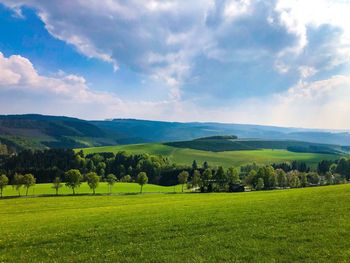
{"x":232,"y":143}
{"x":38,"y":132}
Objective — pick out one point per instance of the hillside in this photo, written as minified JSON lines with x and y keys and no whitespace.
{"x":185,"y":156}
{"x":232,"y":143}
{"x":38,"y":132}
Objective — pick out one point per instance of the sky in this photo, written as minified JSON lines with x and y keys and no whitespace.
{"x":271,"y":62}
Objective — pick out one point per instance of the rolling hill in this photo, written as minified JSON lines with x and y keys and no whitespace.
{"x":185,"y":156}
{"x":232,"y":143}
{"x":39,"y":131}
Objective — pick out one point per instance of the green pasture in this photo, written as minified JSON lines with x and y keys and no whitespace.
{"x":226,"y":159}
{"x":297,"y":225}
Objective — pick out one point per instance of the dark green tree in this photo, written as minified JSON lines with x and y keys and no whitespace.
{"x":220,"y":178}
{"x":207,"y":178}
{"x":343,"y":167}
{"x":313,"y":178}
{"x":205,"y":165}
{"x":194,"y":165}
{"x":303,"y":180}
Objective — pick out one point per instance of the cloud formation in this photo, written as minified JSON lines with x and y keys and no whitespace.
{"x":23,"y":90}
{"x":168,"y":40}
{"x":281,"y":62}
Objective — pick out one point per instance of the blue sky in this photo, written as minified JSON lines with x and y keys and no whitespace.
{"x":275,"y":62}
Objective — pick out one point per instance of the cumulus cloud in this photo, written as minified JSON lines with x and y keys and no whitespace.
{"x":201,"y":50}
{"x":24,"y":90}
{"x":318,"y":104}
{"x":169,"y":40}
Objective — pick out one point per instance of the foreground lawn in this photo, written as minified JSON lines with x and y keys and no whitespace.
{"x":118,"y":188}
{"x":225,"y":159}
{"x":299,"y":225}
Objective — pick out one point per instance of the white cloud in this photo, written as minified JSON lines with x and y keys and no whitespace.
{"x":299,"y":16}
{"x":175,"y":42}
{"x":24,"y":90}
{"x":306,"y":71}
{"x":124,"y":33}
{"x":319,"y":104}
{"x":234,"y":9}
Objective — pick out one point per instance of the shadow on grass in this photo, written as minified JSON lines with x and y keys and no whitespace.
{"x":90,"y":194}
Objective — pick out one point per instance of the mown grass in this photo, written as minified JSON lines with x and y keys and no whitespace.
{"x":46,"y":189}
{"x":298,"y":225}
{"x":226,"y":159}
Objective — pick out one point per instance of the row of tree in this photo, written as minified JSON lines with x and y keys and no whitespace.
{"x":73,"y":180}
{"x":50,"y":165}
{"x":207,"y":180}
{"x":259,"y":178}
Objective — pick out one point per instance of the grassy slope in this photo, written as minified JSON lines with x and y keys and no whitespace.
{"x":46,"y":189}
{"x":299,"y":225}
{"x":226,"y":159}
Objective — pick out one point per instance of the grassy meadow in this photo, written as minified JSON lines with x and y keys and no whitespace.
{"x":297,"y":225}
{"x":225,"y":159}
{"x":118,"y":188}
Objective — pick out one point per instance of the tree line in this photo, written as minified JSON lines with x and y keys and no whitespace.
{"x":266,"y":177}
{"x":55,"y":166}
{"x":73,"y":180}
{"x":48,"y":164}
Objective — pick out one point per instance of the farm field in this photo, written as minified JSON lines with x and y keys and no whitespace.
{"x":46,"y":189}
{"x":225,"y":159}
{"x":298,"y":225}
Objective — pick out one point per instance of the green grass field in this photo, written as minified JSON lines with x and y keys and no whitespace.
{"x":298,"y":225}
{"x":46,"y":189}
{"x":226,"y":159}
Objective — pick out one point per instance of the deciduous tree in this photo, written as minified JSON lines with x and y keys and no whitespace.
{"x":281,"y":178}
{"x":196,"y":179}
{"x":18,"y":182}
{"x":111,"y":180}
{"x":57,"y":184}
{"x":260,"y":185}
{"x":3,"y":183}
{"x":182,"y":178}
{"x":142,"y":179}
{"x":28,"y":181}
{"x":329,"y":178}
{"x":233,"y":176}
{"x":73,"y":179}
{"x":92,"y":180}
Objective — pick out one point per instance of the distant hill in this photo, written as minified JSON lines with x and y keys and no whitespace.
{"x":218,"y":137}
{"x":40,"y":131}
{"x":232,"y":143}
